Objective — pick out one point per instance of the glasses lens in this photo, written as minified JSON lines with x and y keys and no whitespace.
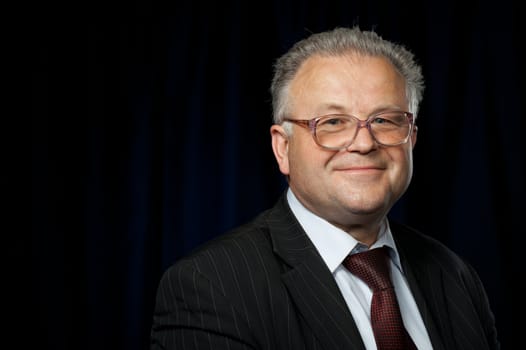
{"x":391,"y":128}
{"x":335,"y":131}
{"x":338,"y":131}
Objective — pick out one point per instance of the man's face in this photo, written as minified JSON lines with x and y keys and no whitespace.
{"x":360,"y":184}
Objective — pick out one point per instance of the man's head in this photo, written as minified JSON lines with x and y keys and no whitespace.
{"x":345,"y":72}
{"x":336,"y":43}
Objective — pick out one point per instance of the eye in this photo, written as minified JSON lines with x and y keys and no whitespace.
{"x":390,"y":119}
{"x":380,"y":120}
{"x":333,"y":121}
{"x":332,"y":124}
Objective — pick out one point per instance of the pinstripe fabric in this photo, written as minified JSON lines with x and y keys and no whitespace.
{"x":264,"y":286}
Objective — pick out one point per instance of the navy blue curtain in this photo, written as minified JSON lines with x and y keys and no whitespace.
{"x":150,"y":135}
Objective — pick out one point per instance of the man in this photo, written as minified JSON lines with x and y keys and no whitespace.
{"x":345,"y":102}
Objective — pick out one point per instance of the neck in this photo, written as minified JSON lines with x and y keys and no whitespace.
{"x":364,"y":233}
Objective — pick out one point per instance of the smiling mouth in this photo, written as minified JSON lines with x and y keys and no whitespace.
{"x":361,"y":168}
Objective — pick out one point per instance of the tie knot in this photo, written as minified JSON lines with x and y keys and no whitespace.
{"x":372,"y":267}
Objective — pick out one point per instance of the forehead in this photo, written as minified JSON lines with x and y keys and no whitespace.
{"x":349,"y":80}
{"x":347,"y":65}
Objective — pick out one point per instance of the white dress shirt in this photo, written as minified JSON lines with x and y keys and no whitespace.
{"x":334,"y":245}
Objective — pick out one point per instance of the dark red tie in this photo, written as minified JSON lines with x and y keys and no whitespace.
{"x":372,"y":267}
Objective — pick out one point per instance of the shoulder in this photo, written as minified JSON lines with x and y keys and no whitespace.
{"x":431,"y":259}
{"x":419,"y":248}
{"x":231,"y":257}
{"x":250,"y":245}
{"x":238,"y":271}
{"x":236,"y":243}
{"x":445,"y":275}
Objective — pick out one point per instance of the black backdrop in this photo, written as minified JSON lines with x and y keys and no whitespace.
{"x":150,"y":136}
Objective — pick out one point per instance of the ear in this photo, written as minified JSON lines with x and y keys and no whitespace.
{"x":413,"y":136}
{"x":280,"y":147}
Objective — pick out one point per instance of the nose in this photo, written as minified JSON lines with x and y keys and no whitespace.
{"x":363,"y":140}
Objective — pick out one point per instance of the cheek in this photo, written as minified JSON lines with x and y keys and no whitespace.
{"x":299,"y":163}
{"x":306,"y":160}
{"x":403,"y":166}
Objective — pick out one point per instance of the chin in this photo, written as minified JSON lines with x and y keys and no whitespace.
{"x":367,"y":212}
{"x":367,"y":207}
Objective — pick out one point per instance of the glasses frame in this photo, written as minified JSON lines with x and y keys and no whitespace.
{"x":311,"y":125}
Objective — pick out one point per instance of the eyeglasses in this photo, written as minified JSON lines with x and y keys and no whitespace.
{"x":338,"y":131}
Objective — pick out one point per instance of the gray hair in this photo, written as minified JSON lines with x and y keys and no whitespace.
{"x":338,"y":42}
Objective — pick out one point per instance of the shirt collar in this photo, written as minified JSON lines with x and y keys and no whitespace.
{"x":333,"y":243}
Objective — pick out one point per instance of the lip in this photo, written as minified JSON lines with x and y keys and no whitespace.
{"x":365,"y":169}
{"x":361,"y":168}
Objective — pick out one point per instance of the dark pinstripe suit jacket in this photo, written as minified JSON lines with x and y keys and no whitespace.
{"x":264,"y":286}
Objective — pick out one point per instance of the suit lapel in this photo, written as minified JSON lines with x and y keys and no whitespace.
{"x":432,"y":305}
{"x":322,"y":306}
{"x":311,"y":284}
{"x":427,"y":286}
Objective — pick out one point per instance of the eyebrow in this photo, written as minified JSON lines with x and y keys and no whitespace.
{"x":328,"y":108}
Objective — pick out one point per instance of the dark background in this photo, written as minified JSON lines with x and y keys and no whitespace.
{"x":150,"y":134}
